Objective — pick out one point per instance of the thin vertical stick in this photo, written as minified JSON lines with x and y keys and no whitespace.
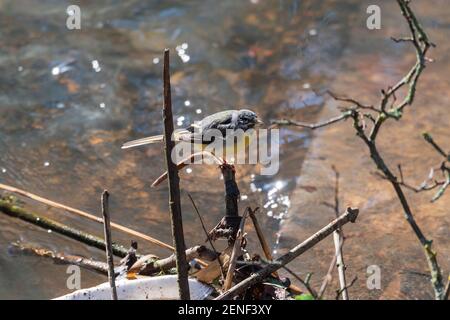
{"x":266,"y":248}
{"x":261,"y":238}
{"x":174,"y":187}
{"x":222,"y":270}
{"x":235,"y":252}
{"x":109,"y":254}
{"x":338,"y":238}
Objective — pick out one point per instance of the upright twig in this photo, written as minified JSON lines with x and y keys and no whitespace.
{"x":267,"y":251}
{"x":349,"y":216}
{"x":340,"y":264}
{"x":174,"y":186}
{"x":338,"y":238}
{"x":109,"y":254}
{"x":262,"y":239}
{"x":207,"y":234}
{"x":236,"y":252}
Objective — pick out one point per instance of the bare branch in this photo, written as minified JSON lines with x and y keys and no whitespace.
{"x":305,"y":283}
{"x":328,"y":122}
{"x":428,"y":138}
{"x":421,"y":43}
{"x":356,"y":103}
{"x":341,"y":291}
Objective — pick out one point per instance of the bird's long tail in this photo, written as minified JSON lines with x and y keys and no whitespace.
{"x":143,"y":141}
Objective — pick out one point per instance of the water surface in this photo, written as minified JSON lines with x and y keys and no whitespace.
{"x":70,"y":98}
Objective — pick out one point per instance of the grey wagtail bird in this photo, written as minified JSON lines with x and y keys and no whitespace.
{"x":227,"y":122}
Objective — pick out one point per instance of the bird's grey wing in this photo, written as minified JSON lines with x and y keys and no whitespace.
{"x":220,"y":121}
{"x":202,"y":131}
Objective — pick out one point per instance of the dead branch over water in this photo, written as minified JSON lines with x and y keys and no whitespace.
{"x":389,"y":108}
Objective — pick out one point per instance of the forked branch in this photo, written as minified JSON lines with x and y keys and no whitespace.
{"x":389,"y":108}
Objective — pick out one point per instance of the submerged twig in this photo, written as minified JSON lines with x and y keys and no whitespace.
{"x":85,"y":215}
{"x":15,"y":211}
{"x":61,"y":258}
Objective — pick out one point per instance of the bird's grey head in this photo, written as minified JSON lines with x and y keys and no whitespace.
{"x":247,"y":119}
